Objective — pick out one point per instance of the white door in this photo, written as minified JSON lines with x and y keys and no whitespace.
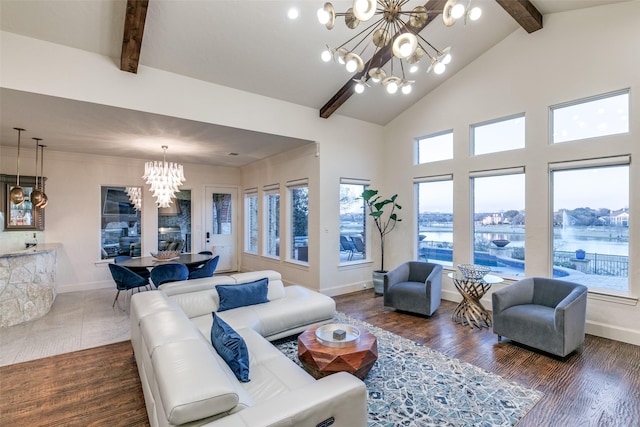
{"x":221,"y":229}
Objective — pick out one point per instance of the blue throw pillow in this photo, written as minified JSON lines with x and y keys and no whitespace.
{"x":233,"y":296}
{"x":231,"y":347}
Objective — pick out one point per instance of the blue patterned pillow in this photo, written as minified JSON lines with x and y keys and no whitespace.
{"x":233,"y":296}
{"x":231,"y":347}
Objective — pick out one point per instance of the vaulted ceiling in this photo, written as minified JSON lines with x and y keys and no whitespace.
{"x":246,"y":45}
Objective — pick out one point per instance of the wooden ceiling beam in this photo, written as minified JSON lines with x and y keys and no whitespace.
{"x":381,"y":57}
{"x":524,"y":13}
{"x":134,"y":19}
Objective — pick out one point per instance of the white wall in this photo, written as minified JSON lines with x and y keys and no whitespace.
{"x":346,"y":147}
{"x":576,"y":55}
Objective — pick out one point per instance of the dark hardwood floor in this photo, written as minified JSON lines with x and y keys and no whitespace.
{"x":599,"y":385}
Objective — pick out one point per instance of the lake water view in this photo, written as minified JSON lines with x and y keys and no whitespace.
{"x":601,"y":240}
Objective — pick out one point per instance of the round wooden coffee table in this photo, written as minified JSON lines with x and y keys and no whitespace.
{"x":321,"y":360}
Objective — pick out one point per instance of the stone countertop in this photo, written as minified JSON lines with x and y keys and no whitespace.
{"x":41,"y":248}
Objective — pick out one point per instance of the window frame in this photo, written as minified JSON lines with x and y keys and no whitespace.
{"x":291,"y":245}
{"x":474,"y":126}
{"x":426,"y":180}
{"x":268,"y":193}
{"x":251,"y":234}
{"x":419,"y":139}
{"x":365,"y":183}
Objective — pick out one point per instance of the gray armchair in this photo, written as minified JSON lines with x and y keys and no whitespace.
{"x":546,"y":314}
{"x":414,"y":286}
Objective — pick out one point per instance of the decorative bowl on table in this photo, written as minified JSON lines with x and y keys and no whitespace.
{"x":165,"y":255}
{"x":473,"y":271}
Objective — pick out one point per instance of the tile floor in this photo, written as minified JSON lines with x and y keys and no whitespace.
{"x":77,"y":320}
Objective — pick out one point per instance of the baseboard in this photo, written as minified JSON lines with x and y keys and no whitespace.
{"x":597,"y":329}
{"x":612,"y":332}
{"x":347,"y":288}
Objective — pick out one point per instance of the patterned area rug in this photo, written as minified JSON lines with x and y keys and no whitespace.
{"x":413,"y":385}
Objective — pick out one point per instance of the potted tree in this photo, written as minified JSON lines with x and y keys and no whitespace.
{"x":385,"y":223}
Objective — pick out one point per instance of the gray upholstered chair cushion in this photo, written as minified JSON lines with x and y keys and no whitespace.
{"x":546,"y":314}
{"x":414,"y":287}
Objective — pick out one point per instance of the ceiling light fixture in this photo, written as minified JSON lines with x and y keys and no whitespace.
{"x":16,"y":195}
{"x":163,"y":179}
{"x":45,"y":199}
{"x":135,"y":197}
{"x":398,"y":28}
{"x":38,"y":198}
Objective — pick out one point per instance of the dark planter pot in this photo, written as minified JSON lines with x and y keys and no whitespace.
{"x":580,"y":254}
{"x":378,"y":282}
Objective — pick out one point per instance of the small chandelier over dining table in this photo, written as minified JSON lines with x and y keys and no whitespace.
{"x":164,"y":179}
{"x":397,"y":28}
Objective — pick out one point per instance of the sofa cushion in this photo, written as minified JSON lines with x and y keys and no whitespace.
{"x":231,"y":347}
{"x":234,"y":296}
{"x":191,"y":383}
{"x":276,"y":287}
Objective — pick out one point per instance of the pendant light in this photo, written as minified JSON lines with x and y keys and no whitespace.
{"x":36,"y":194}
{"x":17,"y":193}
{"x":45,"y":199}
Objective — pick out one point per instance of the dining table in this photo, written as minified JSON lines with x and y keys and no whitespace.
{"x":150,"y":262}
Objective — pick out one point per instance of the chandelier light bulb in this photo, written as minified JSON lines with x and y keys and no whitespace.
{"x":293,"y":13}
{"x":406,"y":89}
{"x":446,"y":60}
{"x":475,"y":13}
{"x":457,"y":11}
{"x":326,"y":55}
{"x":439,"y":68}
{"x":392,"y":87}
{"x":359,"y":88}
{"x":323,"y":16}
{"x":414,"y":69}
{"x":406,"y":49}
{"x":352,"y":65}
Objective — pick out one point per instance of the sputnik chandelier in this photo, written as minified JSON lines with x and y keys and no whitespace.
{"x":163,"y":179}
{"x":397,"y":28}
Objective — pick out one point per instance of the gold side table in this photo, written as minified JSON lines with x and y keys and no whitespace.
{"x":470,"y":310}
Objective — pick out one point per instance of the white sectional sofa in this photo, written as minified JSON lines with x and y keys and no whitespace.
{"x":186,"y":382}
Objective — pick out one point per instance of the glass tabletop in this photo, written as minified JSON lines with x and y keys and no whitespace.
{"x":149,"y":261}
{"x":488,"y":278}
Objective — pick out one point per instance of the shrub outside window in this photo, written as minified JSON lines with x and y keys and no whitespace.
{"x":251,"y":223}
{"x":272,"y":223}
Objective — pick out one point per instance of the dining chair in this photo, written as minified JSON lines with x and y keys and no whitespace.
{"x":142,"y":271}
{"x":172,"y":272}
{"x":206,"y":269}
{"x":125,"y":279}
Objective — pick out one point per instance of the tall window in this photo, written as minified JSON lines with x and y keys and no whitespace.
{"x":251,"y":222}
{"x":121,"y":229}
{"x":352,"y":221}
{"x":591,"y":225}
{"x":435,"y":147}
{"x":174,"y":223}
{"x":592,"y":117}
{"x":299,"y":222}
{"x":498,"y":135}
{"x":435,"y":221}
{"x":499,"y":221}
{"x":272,"y":222}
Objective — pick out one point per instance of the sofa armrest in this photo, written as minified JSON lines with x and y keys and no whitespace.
{"x":435,"y":277}
{"x":341,"y":397}
{"x":520,"y":292}
{"x":396,"y":275}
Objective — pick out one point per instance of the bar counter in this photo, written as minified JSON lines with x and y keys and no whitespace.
{"x":27,"y":283}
